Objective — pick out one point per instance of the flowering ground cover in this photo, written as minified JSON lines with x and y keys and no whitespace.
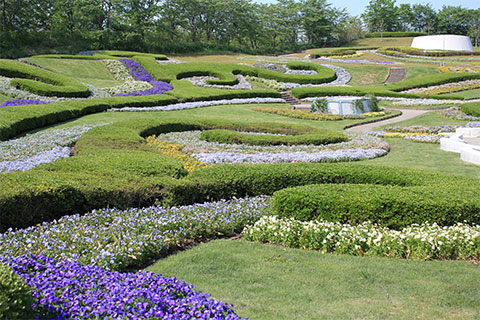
{"x":418,"y":242}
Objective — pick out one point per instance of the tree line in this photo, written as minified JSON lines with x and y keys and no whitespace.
{"x":175,"y":26}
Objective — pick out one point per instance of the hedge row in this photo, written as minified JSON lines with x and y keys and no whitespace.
{"x":319,"y":137}
{"x":89,"y":181}
{"x":226,"y":71}
{"x":16,"y":297}
{"x":403,"y":51}
{"x":392,"y":206}
{"x":389,"y":90}
{"x":40,"y":81}
{"x":472,"y":108}
{"x":394,"y":34}
{"x":329,"y":52}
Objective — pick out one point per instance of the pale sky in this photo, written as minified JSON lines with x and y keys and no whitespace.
{"x":356,"y":7}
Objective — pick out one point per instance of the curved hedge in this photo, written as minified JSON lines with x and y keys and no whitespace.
{"x":392,"y":206}
{"x":472,"y":108}
{"x":403,"y":51}
{"x":318,"y":137}
{"x":16,"y":297}
{"x":40,"y":81}
{"x":104,"y":175}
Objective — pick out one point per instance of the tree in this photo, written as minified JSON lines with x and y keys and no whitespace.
{"x":406,"y":16}
{"x":381,"y":14}
{"x":425,"y":18}
{"x":453,"y":20}
{"x":318,"y":21}
{"x":474,"y":32}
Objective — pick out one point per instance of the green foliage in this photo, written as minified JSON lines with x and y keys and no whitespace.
{"x":42,"y":82}
{"x":403,"y":51}
{"x":131,"y":54}
{"x":323,"y":75}
{"x":394,"y":34}
{"x":392,"y":206}
{"x":16,"y":297}
{"x":319,"y":105}
{"x":318,"y":137}
{"x":328,"y":52}
{"x":472,"y":108}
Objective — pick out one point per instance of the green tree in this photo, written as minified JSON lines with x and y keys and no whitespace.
{"x":381,"y":15}
{"x":425,"y":18}
{"x":318,"y":21}
{"x":453,"y":20}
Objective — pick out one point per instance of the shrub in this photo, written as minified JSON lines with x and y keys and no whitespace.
{"x":41,"y":82}
{"x":402,"y":51}
{"x":298,"y":114}
{"x":319,"y":137}
{"x":323,"y":75}
{"x":472,"y":108}
{"x":15,"y":296}
{"x":391,"y":206}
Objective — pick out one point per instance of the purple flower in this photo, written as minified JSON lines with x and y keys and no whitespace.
{"x":71,"y":290}
{"x":139,"y":73}
{"x":19,"y":102}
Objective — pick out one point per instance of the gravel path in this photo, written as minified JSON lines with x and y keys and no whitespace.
{"x":406,"y":115}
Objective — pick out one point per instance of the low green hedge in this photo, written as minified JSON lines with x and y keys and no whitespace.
{"x":431,"y":80}
{"x":40,"y":81}
{"x":399,"y":34}
{"x":402,"y":51}
{"x":392,"y":206}
{"x":323,"y":75}
{"x":320,"y":137}
{"x":16,"y":297}
{"x":472,"y":108}
{"x":130,"y":54}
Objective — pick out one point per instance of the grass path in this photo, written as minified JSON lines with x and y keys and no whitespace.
{"x":269,"y":282}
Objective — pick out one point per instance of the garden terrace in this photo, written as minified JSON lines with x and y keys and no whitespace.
{"x":404,"y":51}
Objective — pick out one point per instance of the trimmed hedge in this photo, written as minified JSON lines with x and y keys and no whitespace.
{"x":391,"y":206}
{"x":472,"y":108}
{"x":323,"y":75}
{"x":79,"y":185}
{"x":403,"y":51}
{"x":329,"y":52}
{"x":399,"y":34}
{"x":319,"y":137}
{"x":40,"y":81}
{"x":16,"y":297}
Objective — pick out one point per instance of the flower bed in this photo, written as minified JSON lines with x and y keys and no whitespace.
{"x":47,"y":146}
{"x":19,"y":102}
{"x":457,"y":113}
{"x":124,"y":239}
{"x":70,"y":290}
{"x":418,"y":242}
{"x":298,"y":114}
{"x":139,"y":73}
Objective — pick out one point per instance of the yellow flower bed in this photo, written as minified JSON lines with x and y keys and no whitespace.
{"x":459,"y":69}
{"x":356,"y":55}
{"x":175,"y":151}
{"x":402,"y":135}
{"x":298,"y":114}
{"x":453,"y":89}
{"x":374,"y":114}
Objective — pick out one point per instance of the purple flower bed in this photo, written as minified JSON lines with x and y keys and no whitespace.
{"x":139,"y":73}
{"x":70,"y":290}
{"x":19,"y":102}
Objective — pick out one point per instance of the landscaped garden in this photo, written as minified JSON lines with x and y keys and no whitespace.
{"x":137,"y":185}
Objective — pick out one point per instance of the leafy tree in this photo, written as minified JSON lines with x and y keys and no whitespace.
{"x":474,"y":32}
{"x":381,"y":15}
{"x":425,"y":18}
{"x":453,"y":20}
{"x":318,"y":21}
{"x":406,"y":17}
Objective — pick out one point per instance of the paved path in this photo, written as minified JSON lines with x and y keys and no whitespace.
{"x":406,"y":115}
{"x":396,"y":75}
{"x":474,"y":141}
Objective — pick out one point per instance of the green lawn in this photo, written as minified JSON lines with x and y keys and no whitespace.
{"x":385,"y":42}
{"x":434,"y":118}
{"x":88,"y":71}
{"x":419,"y":71}
{"x":4,"y":98}
{"x":468,"y":94}
{"x":376,"y":74}
{"x":270,"y":282}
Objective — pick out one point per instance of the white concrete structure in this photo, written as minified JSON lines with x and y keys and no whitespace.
{"x":443,"y":42}
{"x":456,"y":143}
{"x":346,"y":106}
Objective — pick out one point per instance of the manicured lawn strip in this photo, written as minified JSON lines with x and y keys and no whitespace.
{"x":468,"y":94}
{"x":472,"y":108}
{"x":433,"y":118}
{"x":269,"y":282}
{"x":416,"y":71}
{"x":402,"y":51}
{"x":41,"y":81}
{"x":376,"y":74}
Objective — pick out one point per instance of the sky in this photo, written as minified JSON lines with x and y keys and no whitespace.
{"x":356,"y":7}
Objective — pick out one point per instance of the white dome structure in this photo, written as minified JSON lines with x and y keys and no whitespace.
{"x":443,"y":42}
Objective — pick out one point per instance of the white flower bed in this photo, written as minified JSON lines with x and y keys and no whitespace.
{"x":199,"y":104}
{"x":31,"y":150}
{"x":118,"y":70}
{"x":301,"y":156}
{"x":343,"y":77}
{"x":201,"y":81}
{"x":193,"y":144}
{"x":128,"y":86}
{"x":422,"y":242}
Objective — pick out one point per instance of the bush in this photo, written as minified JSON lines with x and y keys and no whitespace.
{"x":323,"y":75}
{"x":40,"y":81}
{"x":402,"y":51}
{"x":298,"y":114}
{"x":394,"y":34}
{"x":392,"y":206}
{"x":472,"y":108}
{"x":15,"y":296}
{"x":319,"y":137}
